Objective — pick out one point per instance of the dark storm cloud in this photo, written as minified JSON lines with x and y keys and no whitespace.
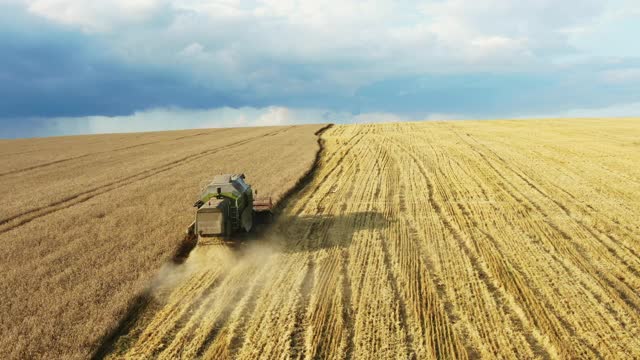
{"x":47,"y":71}
{"x":495,"y":95}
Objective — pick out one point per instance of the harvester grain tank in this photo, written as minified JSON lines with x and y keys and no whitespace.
{"x":227,"y":206}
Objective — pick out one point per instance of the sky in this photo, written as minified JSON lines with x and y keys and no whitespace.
{"x":77,"y":67}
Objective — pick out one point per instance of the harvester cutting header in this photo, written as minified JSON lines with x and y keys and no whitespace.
{"x":227,"y":206}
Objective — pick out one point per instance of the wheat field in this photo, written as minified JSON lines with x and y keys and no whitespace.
{"x":495,"y":239}
{"x":86,"y":222}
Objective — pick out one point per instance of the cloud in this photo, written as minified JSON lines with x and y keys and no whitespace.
{"x":169,"y":119}
{"x":47,"y":70}
{"x":162,"y":119}
{"x":387,"y":59}
{"x":495,"y":94}
{"x":622,"y":76}
{"x":193,"y":50}
{"x":629,"y":110}
{"x":354,"y":42}
{"x":98,"y":16}
{"x":275,"y":116}
{"x":159,"y":119}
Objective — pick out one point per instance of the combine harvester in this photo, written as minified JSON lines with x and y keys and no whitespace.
{"x":227,"y":207}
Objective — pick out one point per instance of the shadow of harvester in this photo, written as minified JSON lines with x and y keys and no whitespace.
{"x":290,"y":233}
{"x":321,"y":231}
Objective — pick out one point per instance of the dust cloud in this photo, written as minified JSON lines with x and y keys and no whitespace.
{"x":218,"y":258}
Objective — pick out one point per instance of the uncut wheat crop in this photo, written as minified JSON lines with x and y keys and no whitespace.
{"x":86,"y":222}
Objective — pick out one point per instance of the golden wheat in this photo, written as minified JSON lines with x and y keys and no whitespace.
{"x":87,"y":221}
{"x":495,"y":239}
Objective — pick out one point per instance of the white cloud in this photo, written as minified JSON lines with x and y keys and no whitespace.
{"x":276,"y":115}
{"x":347,"y":42}
{"x":96,"y":16}
{"x":494,"y":45}
{"x":621,"y":76}
{"x":629,"y":110}
{"x":192,"y":50}
{"x":177,"y":118}
{"x":174,"y":119}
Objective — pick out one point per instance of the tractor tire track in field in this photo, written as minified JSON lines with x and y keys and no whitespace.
{"x":620,"y":288}
{"x":18,"y":220}
{"x":568,"y":212}
{"x":498,"y":297}
{"x":408,"y":241}
{"x":297,"y":336}
{"x":57,"y":162}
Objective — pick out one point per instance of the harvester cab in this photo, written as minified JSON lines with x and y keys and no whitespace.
{"x":227,"y":206}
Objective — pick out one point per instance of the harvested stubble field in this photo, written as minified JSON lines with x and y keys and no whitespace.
{"x":510,"y":239}
{"x":87,"y":221}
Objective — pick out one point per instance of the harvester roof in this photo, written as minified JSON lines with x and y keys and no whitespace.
{"x":227,"y":183}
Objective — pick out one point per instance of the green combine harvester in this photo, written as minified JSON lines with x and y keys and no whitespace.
{"x":226,"y":207}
